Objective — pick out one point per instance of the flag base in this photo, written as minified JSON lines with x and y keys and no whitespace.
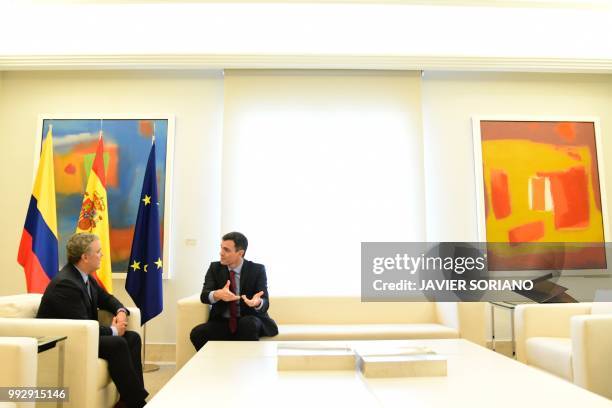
{"x":149,"y":368}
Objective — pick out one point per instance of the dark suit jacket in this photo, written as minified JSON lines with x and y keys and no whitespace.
{"x":66,"y":298}
{"x":252,"y":280}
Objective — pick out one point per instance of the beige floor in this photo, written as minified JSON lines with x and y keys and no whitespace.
{"x":155,"y":380}
{"x":503,"y":347}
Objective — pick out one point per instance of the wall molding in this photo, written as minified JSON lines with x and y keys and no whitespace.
{"x":576,"y":4}
{"x":218,"y":62}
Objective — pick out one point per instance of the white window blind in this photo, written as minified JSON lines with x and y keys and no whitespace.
{"x":316,"y":162}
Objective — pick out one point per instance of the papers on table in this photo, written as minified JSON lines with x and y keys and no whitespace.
{"x":314,"y":356}
{"x":373,"y":362}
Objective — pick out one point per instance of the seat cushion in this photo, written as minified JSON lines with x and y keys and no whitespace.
{"x":364,"y":331}
{"x":552,"y":354}
{"x":103,"y":375}
{"x":24,"y":305}
{"x":601,"y":308}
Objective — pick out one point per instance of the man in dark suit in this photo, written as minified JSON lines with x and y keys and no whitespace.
{"x":237,"y":289}
{"x":74,"y":294}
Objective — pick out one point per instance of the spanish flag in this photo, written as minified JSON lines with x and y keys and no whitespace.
{"x":93,"y":217}
{"x":38,"y":247}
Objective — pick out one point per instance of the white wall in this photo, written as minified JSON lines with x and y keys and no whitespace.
{"x":196,"y":100}
{"x":1,"y":84}
{"x":449,"y":102}
{"x":451,"y":99}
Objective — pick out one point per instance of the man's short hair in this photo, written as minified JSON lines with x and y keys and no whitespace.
{"x":240,"y":241}
{"x":78,"y":244}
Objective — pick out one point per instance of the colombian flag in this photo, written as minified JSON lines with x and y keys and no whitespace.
{"x":94,"y":215}
{"x":38,"y":247}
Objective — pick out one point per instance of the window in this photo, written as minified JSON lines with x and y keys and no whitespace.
{"x":315,"y":163}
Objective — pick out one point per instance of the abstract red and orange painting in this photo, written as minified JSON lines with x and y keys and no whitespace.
{"x":542,"y":185}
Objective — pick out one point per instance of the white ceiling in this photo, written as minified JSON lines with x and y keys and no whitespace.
{"x":468,"y":3}
{"x":271,"y":35}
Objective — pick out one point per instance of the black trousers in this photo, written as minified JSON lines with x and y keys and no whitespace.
{"x":125,"y":366}
{"x":249,"y":329}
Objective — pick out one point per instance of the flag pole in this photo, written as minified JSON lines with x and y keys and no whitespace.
{"x":150,"y":367}
{"x":146,"y":367}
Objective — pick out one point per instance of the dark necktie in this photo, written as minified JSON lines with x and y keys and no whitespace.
{"x":88,"y":288}
{"x":94,"y":310}
{"x":233,"y":306}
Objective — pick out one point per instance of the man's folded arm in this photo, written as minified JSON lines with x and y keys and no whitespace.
{"x":111,"y":304}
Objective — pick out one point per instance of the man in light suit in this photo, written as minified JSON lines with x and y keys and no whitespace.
{"x":237,"y":289}
{"x":74,"y":294}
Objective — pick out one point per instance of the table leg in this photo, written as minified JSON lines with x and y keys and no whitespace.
{"x":492,"y":326}
{"x":60,"y":368}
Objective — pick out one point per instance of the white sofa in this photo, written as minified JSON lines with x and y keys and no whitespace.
{"x":572,"y":341}
{"x":84,"y":373}
{"x":347,"y":318}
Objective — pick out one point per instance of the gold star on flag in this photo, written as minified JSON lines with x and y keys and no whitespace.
{"x":146,"y":200}
{"x":145,"y":268}
{"x":158,"y":263}
{"x":135,"y":266}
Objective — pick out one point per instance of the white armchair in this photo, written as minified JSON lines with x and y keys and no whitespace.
{"x":84,"y":373}
{"x":572,"y":341}
{"x":190,"y":312}
{"x":19,"y":355}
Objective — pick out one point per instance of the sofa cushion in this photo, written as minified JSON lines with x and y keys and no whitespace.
{"x":24,"y":305}
{"x":552,"y":354}
{"x":103,"y":374}
{"x":363,"y":332}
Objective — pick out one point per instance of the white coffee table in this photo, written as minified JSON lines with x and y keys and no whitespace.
{"x":234,"y":374}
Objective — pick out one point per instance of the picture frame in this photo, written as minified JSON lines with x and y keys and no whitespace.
{"x":523,"y":167}
{"x":127,"y":142}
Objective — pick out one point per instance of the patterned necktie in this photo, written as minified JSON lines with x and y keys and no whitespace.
{"x":233,"y":306}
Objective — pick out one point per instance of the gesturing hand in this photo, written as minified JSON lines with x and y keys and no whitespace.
{"x":255,"y":301}
{"x":225,"y":294}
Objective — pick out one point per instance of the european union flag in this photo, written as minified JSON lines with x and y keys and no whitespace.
{"x":144,"y":276}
